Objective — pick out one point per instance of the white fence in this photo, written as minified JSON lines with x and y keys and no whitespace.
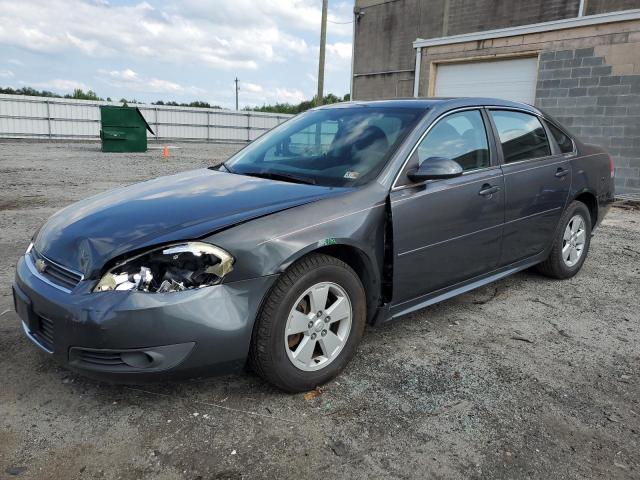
{"x":60,"y":118}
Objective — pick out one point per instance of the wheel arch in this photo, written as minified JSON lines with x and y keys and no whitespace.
{"x":354,"y":256}
{"x":591,"y":201}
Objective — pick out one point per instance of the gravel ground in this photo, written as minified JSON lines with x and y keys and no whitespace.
{"x":524,"y":378}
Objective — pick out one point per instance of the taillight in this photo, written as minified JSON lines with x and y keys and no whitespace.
{"x":612,"y":168}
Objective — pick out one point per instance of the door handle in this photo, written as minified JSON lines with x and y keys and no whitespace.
{"x":562,"y":172}
{"x":488,"y":190}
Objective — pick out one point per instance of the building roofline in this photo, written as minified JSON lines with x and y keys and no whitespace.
{"x":573,"y":22}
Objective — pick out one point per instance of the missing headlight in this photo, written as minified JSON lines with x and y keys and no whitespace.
{"x":170,"y":269}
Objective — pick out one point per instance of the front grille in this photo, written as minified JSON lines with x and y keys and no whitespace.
{"x":107,"y":359}
{"x":55,"y":273}
{"x":44,"y":332}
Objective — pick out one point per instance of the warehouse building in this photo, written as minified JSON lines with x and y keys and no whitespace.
{"x":579,"y":60}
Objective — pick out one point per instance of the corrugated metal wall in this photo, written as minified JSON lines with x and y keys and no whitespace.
{"x":39,"y":117}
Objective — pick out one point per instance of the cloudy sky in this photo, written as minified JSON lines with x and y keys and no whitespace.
{"x":175,"y":50}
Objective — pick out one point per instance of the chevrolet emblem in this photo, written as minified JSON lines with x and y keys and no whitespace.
{"x":40,"y":265}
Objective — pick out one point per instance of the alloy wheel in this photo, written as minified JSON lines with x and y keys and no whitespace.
{"x":318,"y":326}
{"x":573,"y":240}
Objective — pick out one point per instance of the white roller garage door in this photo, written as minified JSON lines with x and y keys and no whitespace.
{"x":507,"y":79}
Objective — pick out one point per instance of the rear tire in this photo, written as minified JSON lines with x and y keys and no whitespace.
{"x":570,"y":244}
{"x":296,"y":345}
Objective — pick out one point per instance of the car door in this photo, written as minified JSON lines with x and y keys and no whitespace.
{"x":537,"y":178}
{"x":448,"y":230}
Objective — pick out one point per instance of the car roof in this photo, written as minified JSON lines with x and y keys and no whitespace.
{"x":432,"y":102}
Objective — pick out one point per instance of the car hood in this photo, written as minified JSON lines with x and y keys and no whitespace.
{"x":86,"y":235}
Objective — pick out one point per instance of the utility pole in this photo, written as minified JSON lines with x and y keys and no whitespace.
{"x":323,"y":41}
{"x":237,"y":88}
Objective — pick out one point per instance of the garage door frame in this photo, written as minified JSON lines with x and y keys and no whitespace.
{"x":433,"y":65}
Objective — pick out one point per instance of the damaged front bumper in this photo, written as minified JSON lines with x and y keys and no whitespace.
{"x":136,"y":336}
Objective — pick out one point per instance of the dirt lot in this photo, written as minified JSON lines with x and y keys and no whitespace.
{"x":526,"y":378}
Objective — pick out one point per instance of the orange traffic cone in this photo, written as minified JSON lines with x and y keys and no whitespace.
{"x":165,"y":152}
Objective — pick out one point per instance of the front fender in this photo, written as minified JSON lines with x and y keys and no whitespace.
{"x":326,"y":245}
{"x":270,"y":244}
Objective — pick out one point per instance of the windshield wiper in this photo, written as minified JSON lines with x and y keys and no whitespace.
{"x":217,"y":167}
{"x":287,"y":177}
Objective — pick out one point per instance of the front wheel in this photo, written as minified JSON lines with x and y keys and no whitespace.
{"x":310,"y":324}
{"x":571,"y":243}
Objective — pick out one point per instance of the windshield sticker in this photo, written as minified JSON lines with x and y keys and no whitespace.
{"x":352,"y":175}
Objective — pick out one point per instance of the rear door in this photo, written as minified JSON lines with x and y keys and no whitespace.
{"x":446,"y":231}
{"x":537,"y":178}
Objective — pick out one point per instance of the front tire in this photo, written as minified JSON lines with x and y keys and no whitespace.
{"x":570,"y":244}
{"x":310,"y":324}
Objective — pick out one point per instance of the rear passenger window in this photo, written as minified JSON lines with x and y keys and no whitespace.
{"x":563,"y":140}
{"x":521,"y":135}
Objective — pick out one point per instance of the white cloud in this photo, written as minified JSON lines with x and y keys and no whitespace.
{"x":131,"y":80}
{"x":341,"y":50}
{"x":90,"y":47}
{"x":61,"y":85}
{"x":158,"y":85}
{"x":276,"y":95}
{"x":126,"y":75}
{"x":251,"y":87}
{"x":338,"y":58}
{"x":301,"y":15}
{"x":289,"y":96}
{"x":242,"y":34}
{"x":15,"y":61}
{"x":255,"y":94}
{"x":6,"y":74}
{"x":271,"y":45}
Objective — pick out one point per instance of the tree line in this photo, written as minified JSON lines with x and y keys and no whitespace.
{"x":300,"y":107}
{"x":79,"y":94}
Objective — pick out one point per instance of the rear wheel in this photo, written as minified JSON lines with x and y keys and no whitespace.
{"x":310,"y":325}
{"x":571,"y":243}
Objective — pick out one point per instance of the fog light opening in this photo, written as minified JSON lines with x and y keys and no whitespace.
{"x":137,"y":359}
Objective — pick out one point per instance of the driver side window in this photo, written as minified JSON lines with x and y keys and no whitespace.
{"x":461,"y":137}
{"x":311,"y":141}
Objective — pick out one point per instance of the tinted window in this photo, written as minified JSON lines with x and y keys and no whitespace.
{"x":521,"y":135}
{"x":314,"y":140}
{"x":460,"y":137}
{"x":343,"y":146}
{"x":564,"y":141}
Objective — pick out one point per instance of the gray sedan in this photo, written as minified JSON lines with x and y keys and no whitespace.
{"x":345,"y":215}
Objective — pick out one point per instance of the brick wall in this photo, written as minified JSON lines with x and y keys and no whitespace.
{"x":390,"y":85}
{"x":589,"y":78}
{"x":474,"y":16}
{"x":603,"y":6}
{"x":384,"y":56}
{"x":583,"y":91}
{"x":384,"y":34}
{"x":384,"y":37}
{"x":383,"y":43}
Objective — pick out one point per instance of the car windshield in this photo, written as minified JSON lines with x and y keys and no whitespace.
{"x":338,"y":147}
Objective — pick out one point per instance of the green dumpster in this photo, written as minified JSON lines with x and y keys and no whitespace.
{"x":124,"y":129}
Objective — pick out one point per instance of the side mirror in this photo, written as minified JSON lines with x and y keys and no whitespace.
{"x":435,"y":168}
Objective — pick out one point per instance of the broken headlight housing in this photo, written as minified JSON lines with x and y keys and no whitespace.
{"x":173,"y":268}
